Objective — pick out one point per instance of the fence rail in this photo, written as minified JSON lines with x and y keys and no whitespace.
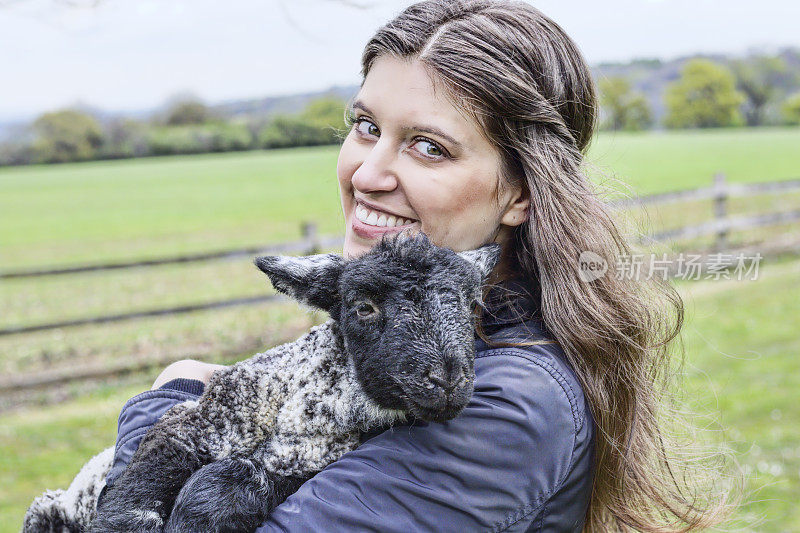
{"x":233,"y":302}
{"x":719,"y":188}
{"x":719,"y":192}
{"x":311,"y":243}
{"x":725,"y":225}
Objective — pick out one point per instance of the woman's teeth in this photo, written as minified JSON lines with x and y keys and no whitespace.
{"x":379,"y":219}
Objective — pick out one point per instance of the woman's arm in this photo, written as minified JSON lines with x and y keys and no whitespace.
{"x":180,"y":381}
{"x":523,"y":438}
{"x":142,"y":411}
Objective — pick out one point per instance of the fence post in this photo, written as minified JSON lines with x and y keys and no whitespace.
{"x":720,"y":211}
{"x":309,"y":231}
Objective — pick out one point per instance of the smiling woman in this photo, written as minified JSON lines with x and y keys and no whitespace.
{"x":414,"y":157}
{"x":471,"y":126}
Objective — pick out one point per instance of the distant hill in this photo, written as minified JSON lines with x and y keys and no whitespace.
{"x":264,"y":107}
{"x":650,"y":76}
{"x":253,"y":107}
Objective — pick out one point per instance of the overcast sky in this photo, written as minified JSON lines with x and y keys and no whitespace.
{"x":129,"y":55}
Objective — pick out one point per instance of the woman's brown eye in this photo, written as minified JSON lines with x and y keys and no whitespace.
{"x":365,"y":310}
{"x":433,"y":149}
{"x":371,"y":129}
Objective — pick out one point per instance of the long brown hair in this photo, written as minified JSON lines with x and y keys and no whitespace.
{"x":527,"y":85}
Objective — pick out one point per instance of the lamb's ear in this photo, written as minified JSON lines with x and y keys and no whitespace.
{"x":312,"y":280}
{"x":484,"y":258}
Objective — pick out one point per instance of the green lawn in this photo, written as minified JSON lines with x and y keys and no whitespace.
{"x":653,"y":162}
{"x":743,"y":369}
{"x":75,"y":213}
{"x":97,"y":211}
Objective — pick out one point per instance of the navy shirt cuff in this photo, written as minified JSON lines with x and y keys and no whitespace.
{"x":192,"y":386}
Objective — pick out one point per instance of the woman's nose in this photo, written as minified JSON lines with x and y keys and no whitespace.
{"x":376,"y":173}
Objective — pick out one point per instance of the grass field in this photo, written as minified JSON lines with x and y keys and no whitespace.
{"x":741,"y":338}
{"x":74,"y":213}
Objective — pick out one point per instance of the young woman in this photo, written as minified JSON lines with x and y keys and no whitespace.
{"x":470,"y":125}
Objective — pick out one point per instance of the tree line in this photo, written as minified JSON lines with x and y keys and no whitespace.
{"x":186,"y":127}
{"x":755,"y":91}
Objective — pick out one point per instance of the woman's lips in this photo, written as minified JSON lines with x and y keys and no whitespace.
{"x":366,"y":222}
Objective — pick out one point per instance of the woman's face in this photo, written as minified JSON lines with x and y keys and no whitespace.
{"x":413,"y":161}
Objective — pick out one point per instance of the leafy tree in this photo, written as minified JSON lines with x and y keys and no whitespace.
{"x":760,"y":79}
{"x":704,"y":97}
{"x":124,"y":138}
{"x":17,"y":153}
{"x":199,"y":138}
{"x":321,"y":122}
{"x":791,"y":110}
{"x":325,"y":113}
{"x":187,"y":112}
{"x":66,"y":135}
{"x":626,"y":109}
{"x":290,"y":130}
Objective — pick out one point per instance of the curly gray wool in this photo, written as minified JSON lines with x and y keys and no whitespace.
{"x":66,"y":511}
{"x":301,"y":397}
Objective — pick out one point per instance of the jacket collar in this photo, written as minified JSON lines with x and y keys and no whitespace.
{"x":512,"y":313}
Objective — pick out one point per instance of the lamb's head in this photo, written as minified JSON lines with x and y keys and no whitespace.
{"x":405,"y":310}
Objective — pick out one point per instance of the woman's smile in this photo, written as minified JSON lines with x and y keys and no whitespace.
{"x":370,"y":221}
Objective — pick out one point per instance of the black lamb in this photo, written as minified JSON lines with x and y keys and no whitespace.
{"x":400,"y":342}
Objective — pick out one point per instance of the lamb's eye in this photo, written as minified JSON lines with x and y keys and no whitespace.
{"x":365,"y":310}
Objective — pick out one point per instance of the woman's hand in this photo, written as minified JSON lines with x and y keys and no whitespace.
{"x":188,"y":369}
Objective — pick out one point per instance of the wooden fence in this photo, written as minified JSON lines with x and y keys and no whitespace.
{"x":721,"y":225}
{"x":310,"y":243}
{"x":720,"y":191}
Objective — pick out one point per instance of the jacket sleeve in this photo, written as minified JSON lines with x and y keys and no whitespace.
{"x":140,"y":413}
{"x":492,"y":468}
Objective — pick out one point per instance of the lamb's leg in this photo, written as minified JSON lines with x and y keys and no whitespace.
{"x":141,"y":498}
{"x":46,"y":514}
{"x":229,"y":495}
{"x":72,"y":509}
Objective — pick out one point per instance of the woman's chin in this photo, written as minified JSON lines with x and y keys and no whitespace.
{"x":351,"y":250}
{"x":355,"y":246}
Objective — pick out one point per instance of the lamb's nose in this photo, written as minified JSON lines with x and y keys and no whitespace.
{"x":448,"y":381}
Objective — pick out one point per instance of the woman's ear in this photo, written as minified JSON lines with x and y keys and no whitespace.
{"x":517,"y":206}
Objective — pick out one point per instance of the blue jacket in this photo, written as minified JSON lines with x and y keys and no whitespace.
{"x":518,"y":458}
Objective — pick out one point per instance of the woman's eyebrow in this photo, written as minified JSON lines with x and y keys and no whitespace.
{"x":358,"y":104}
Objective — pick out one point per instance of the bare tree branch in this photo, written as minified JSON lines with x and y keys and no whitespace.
{"x":293,"y":23}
